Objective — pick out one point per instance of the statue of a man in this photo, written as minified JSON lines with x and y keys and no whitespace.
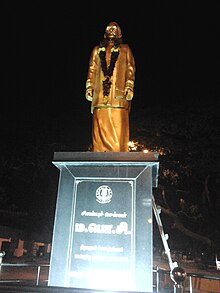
{"x":110,"y":88}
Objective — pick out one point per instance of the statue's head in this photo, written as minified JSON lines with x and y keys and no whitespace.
{"x":113,"y":31}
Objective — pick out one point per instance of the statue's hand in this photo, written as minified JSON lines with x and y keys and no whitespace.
{"x":89,"y":94}
{"x":129,"y":94}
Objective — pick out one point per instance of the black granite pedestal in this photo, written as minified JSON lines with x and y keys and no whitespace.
{"x":102,"y":236}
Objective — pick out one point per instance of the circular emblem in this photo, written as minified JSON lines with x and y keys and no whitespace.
{"x":103,"y":194}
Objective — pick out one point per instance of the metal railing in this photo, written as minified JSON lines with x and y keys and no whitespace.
{"x":192,"y":287}
{"x":34,"y":278}
{"x":37,"y":274}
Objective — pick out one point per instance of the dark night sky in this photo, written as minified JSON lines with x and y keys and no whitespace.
{"x":46,"y":49}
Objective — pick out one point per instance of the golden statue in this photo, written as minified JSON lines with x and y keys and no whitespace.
{"x":110,"y":88}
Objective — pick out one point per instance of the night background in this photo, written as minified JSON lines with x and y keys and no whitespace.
{"x":175,"y":111}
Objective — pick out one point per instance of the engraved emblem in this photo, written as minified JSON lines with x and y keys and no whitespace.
{"x":103,"y":194}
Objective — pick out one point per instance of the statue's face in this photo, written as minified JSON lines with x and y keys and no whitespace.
{"x":112,"y":31}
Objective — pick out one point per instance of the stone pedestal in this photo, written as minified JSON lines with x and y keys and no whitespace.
{"x":102,"y":236}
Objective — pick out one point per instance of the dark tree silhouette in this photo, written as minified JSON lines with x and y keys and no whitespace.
{"x":186,"y":136}
{"x":187,"y":140}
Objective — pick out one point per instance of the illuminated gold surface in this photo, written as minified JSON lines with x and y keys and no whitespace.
{"x":111,"y":113}
{"x":110,"y":130}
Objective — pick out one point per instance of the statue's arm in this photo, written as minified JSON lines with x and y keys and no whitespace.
{"x":130,"y":75}
{"x":91,"y":74}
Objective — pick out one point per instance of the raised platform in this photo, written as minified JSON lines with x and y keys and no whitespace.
{"x":102,"y":236}
{"x":105,"y":156}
